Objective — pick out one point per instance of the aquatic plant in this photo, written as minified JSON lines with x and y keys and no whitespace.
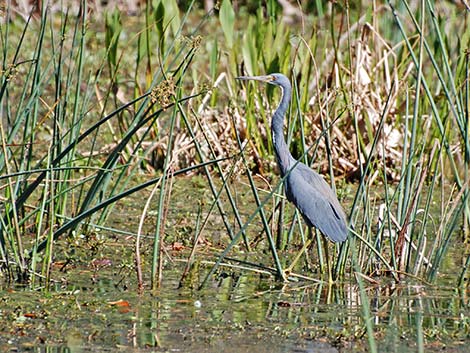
{"x":379,"y":107}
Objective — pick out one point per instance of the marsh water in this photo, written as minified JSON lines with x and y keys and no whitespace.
{"x":100,"y":312}
{"x":93,"y":305}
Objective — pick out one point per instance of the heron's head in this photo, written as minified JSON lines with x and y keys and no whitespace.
{"x":273,"y":79}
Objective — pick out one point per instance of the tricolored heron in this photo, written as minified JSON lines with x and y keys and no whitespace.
{"x":307,"y":190}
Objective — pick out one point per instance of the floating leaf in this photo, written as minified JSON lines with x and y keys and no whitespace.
{"x":120,"y":303}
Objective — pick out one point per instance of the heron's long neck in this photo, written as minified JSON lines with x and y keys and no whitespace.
{"x":283,"y":155}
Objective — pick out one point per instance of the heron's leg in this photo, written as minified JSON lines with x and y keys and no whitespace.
{"x":308,"y":260}
{"x":320,"y":250}
{"x":327,"y":257}
{"x":299,"y":254}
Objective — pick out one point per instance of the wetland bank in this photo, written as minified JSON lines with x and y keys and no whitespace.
{"x":141,"y":207}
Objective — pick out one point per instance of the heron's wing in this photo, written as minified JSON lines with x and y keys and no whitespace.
{"x":316,"y":202}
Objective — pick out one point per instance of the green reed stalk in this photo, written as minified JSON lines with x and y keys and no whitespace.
{"x":79,"y":100}
{"x":158,"y":235}
{"x":267,"y":230}
{"x":366,"y":312}
{"x":282,"y":238}
{"x":48,"y":256}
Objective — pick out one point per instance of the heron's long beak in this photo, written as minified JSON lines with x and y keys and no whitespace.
{"x":266,"y":78}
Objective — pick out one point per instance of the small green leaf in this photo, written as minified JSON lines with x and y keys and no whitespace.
{"x":249,"y":52}
{"x":113,"y":31}
{"x":159,"y":16}
{"x":214,"y":59}
{"x":172,"y":16}
{"x":227,"y":21}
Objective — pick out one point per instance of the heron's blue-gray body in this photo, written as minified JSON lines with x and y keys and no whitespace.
{"x":307,"y":190}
